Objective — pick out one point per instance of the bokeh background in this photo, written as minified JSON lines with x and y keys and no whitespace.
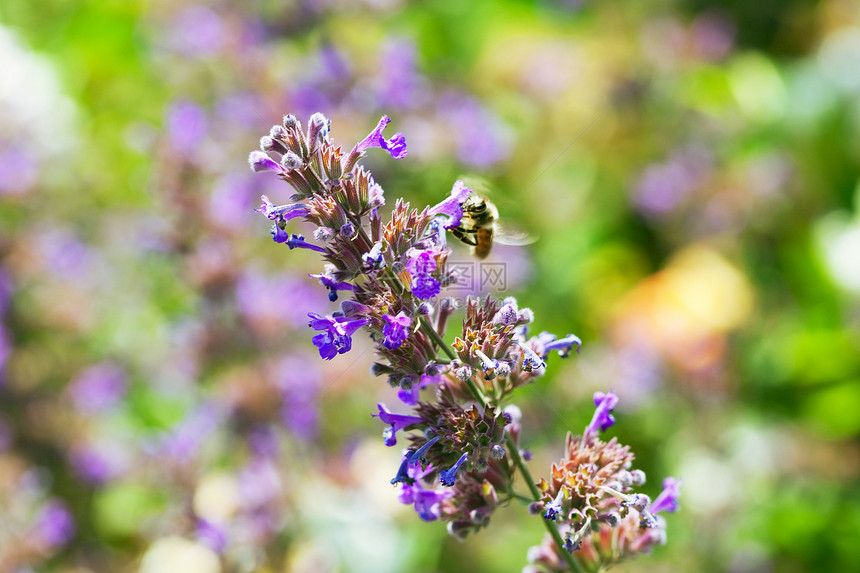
{"x":690,"y":172}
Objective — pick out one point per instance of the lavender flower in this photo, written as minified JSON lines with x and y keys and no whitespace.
{"x":668,"y":498}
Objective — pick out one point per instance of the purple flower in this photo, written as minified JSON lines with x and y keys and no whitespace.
{"x":279,"y":235}
{"x":553,"y":508}
{"x":412,"y":458}
{"x":336,"y":337}
{"x":563,"y":345}
{"x":396,"y":146}
{"x":400,"y":83}
{"x":187,"y":126}
{"x":332,"y":284}
{"x":259,"y":162}
{"x":55,"y":525}
{"x":396,"y":330}
{"x":410,"y":396}
{"x":426,"y":501}
{"x":531,"y":361}
{"x":668,"y":498}
{"x":453,"y":205}
{"x":98,"y":388}
{"x":211,"y":535}
{"x":421,"y":266}
{"x":281,"y":212}
{"x":447,"y":477}
{"x":602,"y":418}
{"x":396,"y":423}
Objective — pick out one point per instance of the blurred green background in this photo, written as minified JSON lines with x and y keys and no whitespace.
{"x":690,"y":170}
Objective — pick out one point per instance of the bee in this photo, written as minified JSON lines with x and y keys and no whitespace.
{"x":479,"y":227}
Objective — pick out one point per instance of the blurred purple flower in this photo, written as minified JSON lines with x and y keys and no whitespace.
{"x":481,"y":138}
{"x":5,"y":350}
{"x":183,"y":442}
{"x":98,"y":388}
{"x":259,"y":484}
{"x":64,"y":254}
{"x":713,"y":35}
{"x":299,"y":381}
{"x":400,"y":85}
{"x":187,"y":126}
{"x":211,"y":535}
{"x":662,"y":186}
{"x":99,"y":462}
{"x":19,"y":171}
{"x":261,"y":299}
{"x":668,"y":498}
{"x":6,"y":289}
{"x":240,"y":109}
{"x":54,"y":525}
{"x":197,"y":31}
{"x":230,"y":199}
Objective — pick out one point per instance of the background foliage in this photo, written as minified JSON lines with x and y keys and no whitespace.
{"x":690,"y":169}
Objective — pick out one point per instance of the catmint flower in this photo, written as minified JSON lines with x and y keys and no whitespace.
{"x":531,"y":361}
{"x":426,"y":501}
{"x":525,"y":316}
{"x":503,"y":369}
{"x":409,"y":396}
{"x":336,"y":337}
{"x":553,"y":508}
{"x":268,"y":143}
{"x":319,"y":127}
{"x":290,"y":122}
{"x":395,"y":423}
{"x":374,"y":259}
{"x":563,"y":345}
{"x":260,"y":162}
{"x":396,"y":330}
{"x":396,"y":146}
{"x":421,"y":266}
{"x":413,"y":458}
{"x":453,"y":205}
{"x":281,"y":212}
{"x":488,"y":365}
{"x":291,"y":161}
{"x":293,"y":241}
{"x":668,"y":498}
{"x":447,"y":477}
{"x":332,"y":284}
{"x":602,"y":418}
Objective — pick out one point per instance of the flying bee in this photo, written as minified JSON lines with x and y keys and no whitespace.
{"x":479,"y":227}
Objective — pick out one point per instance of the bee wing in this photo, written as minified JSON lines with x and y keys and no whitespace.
{"x":506,"y":235}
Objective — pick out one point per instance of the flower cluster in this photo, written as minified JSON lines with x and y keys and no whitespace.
{"x":463,"y":443}
{"x":591,"y":498}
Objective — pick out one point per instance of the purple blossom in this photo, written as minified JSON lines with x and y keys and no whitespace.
{"x":602,"y":418}
{"x":421,"y":266}
{"x":98,"y":388}
{"x":332,"y":284}
{"x":453,"y":205}
{"x":668,"y":498}
{"x":396,"y":146}
{"x":279,"y":235}
{"x":400,"y":83}
{"x":281,"y":212}
{"x":410,"y":396}
{"x":531,"y":360}
{"x":396,"y":423}
{"x":260,"y":162}
{"x":55,"y":525}
{"x":447,"y":477}
{"x":396,"y":330}
{"x":412,"y":458}
{"x":198,"y":31}
{"x":19,"y":171}
{"x":97,"y":463}
{"x":187,"y":126}
{"x":336,"y":337}
{"x":563,"y":345}
{"x":553,"y":508}
{"x":211,"y":535}
{"x":425,"y":501}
